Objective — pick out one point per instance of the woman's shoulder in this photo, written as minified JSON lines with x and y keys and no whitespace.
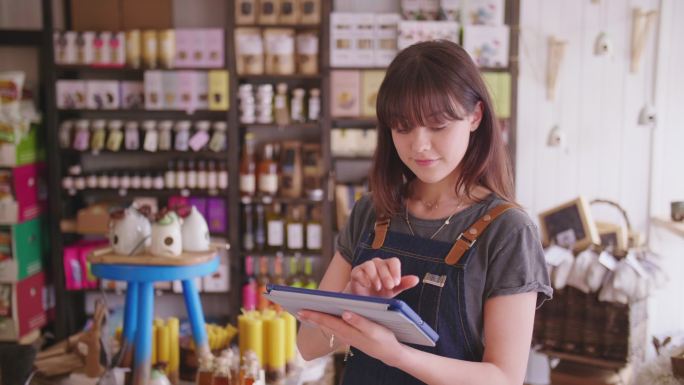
{"x":515,"y":219}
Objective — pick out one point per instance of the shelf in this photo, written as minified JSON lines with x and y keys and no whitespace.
{"x":277,"y":78}
{"x":269,"y":200}
{"x":175,"y":154}
{"x":306,"y":126}
{"x":19,"y":37}
{"x":600,"y":362}
{"x":358,"y":68}
{"x":85,"y":68}
{"x":147,"y":114}
{"x":355,"y":122}
{"x":123,"y":193}
{"x":675,"y":227}
{"x":286,"y":253}
{"x":297,"y":27}
{"x":68,"y":226}
{"x":353,"y":158}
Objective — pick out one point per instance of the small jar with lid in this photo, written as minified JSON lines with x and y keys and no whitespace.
{"x":103,"y":181}
{"x":82,"y":135}
{"x":97,"y":138}
{"x":115,"y":137}
{"x":151,"y":141}
{"x":165,"y":142}
{"x":182,"y":129}
{"x":202,"y":175}
{"x":66,"y":129}
{"x":280,"y":109}
{"x":212,"y":175}
{"x":170,"y":175}
{"x":314,"y":110}
{"x":125,"y":181}
{"x":191,"y":175}
{"x":218,"y":137}
{"x":297,"y":106}
{"x":200,"y":138}
{"x":181,"y":175}
{"x":132,"y":136}
{"x":136,"y":181}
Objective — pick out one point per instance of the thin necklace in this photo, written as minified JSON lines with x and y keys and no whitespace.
{"x":446,"y":222}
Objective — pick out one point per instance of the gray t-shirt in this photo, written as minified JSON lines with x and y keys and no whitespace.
{"x":508,"y":258}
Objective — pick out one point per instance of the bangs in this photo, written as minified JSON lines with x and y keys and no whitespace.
{"x":420,"y":95}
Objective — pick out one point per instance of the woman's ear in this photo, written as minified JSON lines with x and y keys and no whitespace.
{"x":476,"y":116}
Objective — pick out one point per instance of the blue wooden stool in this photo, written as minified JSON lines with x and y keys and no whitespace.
{"x":141,"y":273}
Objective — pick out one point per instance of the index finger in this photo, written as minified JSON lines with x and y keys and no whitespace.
{"x":394,"y":265}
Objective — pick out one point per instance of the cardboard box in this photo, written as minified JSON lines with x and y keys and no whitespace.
{"x":93,"y":219}
{"x":103,"y":95}
{"x":146,"y":14}
{"x":21,"y":254}
{"x":487,"y":45}
{"x":22,"y":307}
{"x":154,"y":90}
{"x":132,"y":95}
{"x":411,"y":32}
{"x":183,"y":48}
{"x":27,"y":150}
{"x":100,"y":15}
{"x":385,"y":35}
{"x":484,"y":12}
{"x":499,"y":85}
{"x":218,"y":281}
{"x":187,"y":91}
{"x":370,"y":84}
{"x":170,"y":94}
{"x":218,"y":90}
{"x":71,"y":94}
{"x":216,"y":215}
{"x":27,"y":188}
{"x":214,"y":47}
{"x":345,"y":87}
{"x":364,"y":40}
{"x":202,"y":90}
{"x":342,"y":39}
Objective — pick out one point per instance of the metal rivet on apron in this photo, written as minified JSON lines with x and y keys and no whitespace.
{"x":473,"y":231}
{"x":487,"y":218}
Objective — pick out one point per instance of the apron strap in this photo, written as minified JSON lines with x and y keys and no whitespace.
{"x":381,"y":227}
{"x":467,"y":238}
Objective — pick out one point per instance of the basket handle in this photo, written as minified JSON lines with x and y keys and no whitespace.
{"x":617,"y":206}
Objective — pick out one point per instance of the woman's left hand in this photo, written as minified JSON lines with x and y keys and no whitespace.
{"x":351,"y":329}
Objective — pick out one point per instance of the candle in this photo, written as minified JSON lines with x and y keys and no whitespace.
{"x":255,"y":338}
{"x":290,"y":339}
{"x":163,"y":348}
{"x":153,"y":359}
{"x":275,"y":348}
{"x":174,"y":354}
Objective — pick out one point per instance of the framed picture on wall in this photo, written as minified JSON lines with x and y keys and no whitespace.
{"x":569,"y":225}
{"x":613,"y":237}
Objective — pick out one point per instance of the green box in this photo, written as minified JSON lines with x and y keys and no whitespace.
{"x":27,"y":248}
{"x":28,"y":150}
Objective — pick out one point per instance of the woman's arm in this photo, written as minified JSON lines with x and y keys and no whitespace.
{"x":508,"y":323}
{"x":312,"y":343}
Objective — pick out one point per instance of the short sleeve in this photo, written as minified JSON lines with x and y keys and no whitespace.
{"x":518,"y":266}
{"x":361,"y":215}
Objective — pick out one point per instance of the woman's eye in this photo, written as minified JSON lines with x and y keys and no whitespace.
{"x":439,"y":128}
{"x":400,"y":130}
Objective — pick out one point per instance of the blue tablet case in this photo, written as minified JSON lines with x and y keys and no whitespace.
{"x":394,"y":314}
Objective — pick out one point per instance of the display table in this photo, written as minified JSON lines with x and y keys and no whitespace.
{"x":141,"y":272}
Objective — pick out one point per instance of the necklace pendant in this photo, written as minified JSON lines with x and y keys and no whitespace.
{"x":446,"y":222}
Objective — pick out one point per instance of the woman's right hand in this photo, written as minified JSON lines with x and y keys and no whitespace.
{"x":380,"y":278}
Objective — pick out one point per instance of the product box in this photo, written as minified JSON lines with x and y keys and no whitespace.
{"x":22,"y":307}
{"x":386,"y":32}
{"x":420,"y":9}
{"x":499,"y":85}
{"x":198,"y":51}
{"x":24,"y":151}
{"x":342,"y":39}
{"x":411,"y":32}
{"x":216,"y":215}
{"x":487,"y":45}
{"x":154,"y":90}
{"x":102,"y":95}
{"x":245,"y":12}
{"x":453,"y":10}
{"x":170,"y":98}
{"x":484,"y":12}
{"x":76,"y":266}
{"x":22,"y":193}
{"x":21,"y":250}
{"x":103,"y":53}
{"x":132,"y":95}
{"x":86,"y":47}
{"x":187,"y":91}
{"x":184,"y":40}
{"x":218,"y":281}
{"x":364,"y":40}
{"x":117,"y":49}
{"x":345,"y":86}
{"x":370,"y":84}
{"x":269,"y":10}
{"x":201,"y":90}
{"x":71,"y":94}
{"x":218,"y":90}
{"x":93,"y":219}
{"x":214,"y":48}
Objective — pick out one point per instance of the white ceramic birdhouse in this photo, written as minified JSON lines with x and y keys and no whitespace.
{"x":166,"y":236}
{"x":195,"y":232}
{"x":129,"y":231}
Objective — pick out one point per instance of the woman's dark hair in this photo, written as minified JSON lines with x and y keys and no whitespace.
{"x":427,"y":84}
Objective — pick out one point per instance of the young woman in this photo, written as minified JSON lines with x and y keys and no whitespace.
{"x":439,"y":231}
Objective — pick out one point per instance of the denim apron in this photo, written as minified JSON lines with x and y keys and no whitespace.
{"x":439,"y":297}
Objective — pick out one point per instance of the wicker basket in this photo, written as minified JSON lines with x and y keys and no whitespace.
{"x":579,"y":324}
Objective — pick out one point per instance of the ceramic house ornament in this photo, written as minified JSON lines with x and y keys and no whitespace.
{"x":129,"y":231}
{"x":195,"y":232}
{"x":166,"y":235}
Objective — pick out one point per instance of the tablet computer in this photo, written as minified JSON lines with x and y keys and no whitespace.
{"x":392,"y":313}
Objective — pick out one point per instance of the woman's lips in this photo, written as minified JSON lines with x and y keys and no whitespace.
{"x":425,"y":162}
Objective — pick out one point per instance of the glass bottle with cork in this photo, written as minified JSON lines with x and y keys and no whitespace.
{"x":267,"y":172}
{"x":248,"y":168}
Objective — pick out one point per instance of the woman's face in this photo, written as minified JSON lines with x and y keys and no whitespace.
{"x":434,"y":153}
